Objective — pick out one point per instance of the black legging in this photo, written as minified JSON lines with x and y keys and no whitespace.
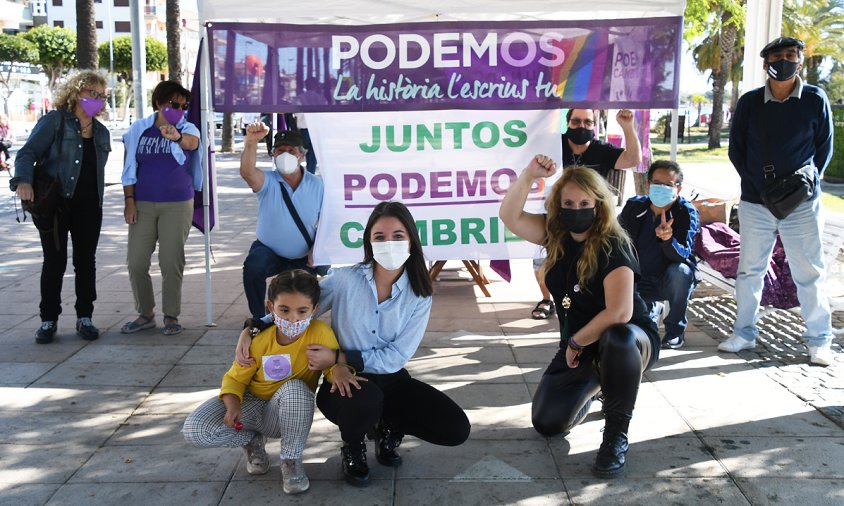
{"x":613,"y":365}
{"x":408,"y":406}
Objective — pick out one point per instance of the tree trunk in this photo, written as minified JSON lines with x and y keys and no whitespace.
{"x":813,"y":72}
{"x":227,"y":144}
{"x":735,"y":96}
{"x":174,"y":43}
{"x":727,"y":42}
{"x":86,"y":35}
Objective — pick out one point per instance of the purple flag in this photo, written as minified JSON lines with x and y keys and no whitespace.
{"x":195,"y":118}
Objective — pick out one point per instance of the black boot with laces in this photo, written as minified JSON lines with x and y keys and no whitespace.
{"x":386,"y":442}
{"x":354,"y":464}
{"x":611,"y":455}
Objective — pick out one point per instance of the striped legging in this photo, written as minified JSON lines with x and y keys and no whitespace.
{"x":287,"y":415}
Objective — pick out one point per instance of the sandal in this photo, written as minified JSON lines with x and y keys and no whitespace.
{"x":543,"y":313}
{"x":140,"y":323}
{"x":172,"y":328}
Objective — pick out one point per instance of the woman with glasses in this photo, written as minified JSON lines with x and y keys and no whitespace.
{"x":607,"y":337}
{"x":72,"y":146}
{"x":161,"y":172}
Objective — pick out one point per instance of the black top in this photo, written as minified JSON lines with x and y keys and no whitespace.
{"x":600,"y":156}
{"x":86,"y":188}
{"x":587,"y":301}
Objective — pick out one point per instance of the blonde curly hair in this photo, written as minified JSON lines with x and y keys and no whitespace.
{"x":68,"y":95}
{"x":606,"y":234}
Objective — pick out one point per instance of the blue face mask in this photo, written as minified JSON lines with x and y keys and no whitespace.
{"x":661,"y":195}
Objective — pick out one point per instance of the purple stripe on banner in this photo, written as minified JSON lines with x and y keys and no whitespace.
{"x":260,"y":67}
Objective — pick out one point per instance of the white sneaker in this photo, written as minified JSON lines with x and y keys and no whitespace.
{"x":293,"y":477}
{"x":735,"y":344}
{"x":821,"y":355}
{"x":257,"y":461}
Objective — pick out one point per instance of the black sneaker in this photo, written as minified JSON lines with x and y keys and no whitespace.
{"x":86,"y":330}
{"x":45,"y":333}
{"x":354,"y":464}
{"x":386,"y":442}
{"x":674,"y":343}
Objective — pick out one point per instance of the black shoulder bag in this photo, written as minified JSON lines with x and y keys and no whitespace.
{"x":781,"y":195}
{"x":46,"y":190}
{"x":321,"y":269}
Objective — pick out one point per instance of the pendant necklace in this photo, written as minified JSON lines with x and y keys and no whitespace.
{"x":566,"y":300}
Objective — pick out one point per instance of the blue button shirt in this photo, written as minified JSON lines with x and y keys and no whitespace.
{"x":386,"y":334}
{"x":276,"y":228}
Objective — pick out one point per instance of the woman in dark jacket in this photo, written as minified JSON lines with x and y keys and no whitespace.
{"x":72,"y":146}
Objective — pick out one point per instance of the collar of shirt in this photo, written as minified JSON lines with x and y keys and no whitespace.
{"x":368,"y":272}
{"x":795,"y":93}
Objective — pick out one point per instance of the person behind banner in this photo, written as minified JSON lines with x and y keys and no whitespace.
{"x":662,"y":226}
{"x":161,"y":171}
{"x":274,"y":395}
{"x":580,"y":147}
{"x":289,"y":203}
{"x":7,"y":139}
{"x":379,"y":311}
{"x":72,"y":146}
{"x":607,"y":338}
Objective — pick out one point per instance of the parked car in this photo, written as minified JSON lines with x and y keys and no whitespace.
{"x":237,"y":121}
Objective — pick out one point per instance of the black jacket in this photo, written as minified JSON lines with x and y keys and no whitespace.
{"x":686,"y":225}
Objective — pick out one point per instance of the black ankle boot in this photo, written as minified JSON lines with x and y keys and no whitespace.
{"x":611,"y":456}
{"x":354,"y":464}
{"x":386,"y":442}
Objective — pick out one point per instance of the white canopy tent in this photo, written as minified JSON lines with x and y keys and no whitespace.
{"x":365,"y":12}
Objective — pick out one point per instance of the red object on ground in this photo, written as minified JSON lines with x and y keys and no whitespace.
{"x":238,"y":426}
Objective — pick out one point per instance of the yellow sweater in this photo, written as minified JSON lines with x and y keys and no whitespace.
{"x":275,"y":364}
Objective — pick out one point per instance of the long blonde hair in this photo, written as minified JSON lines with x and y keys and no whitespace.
{"x":68,"y":95}
{"x":606,"y":234}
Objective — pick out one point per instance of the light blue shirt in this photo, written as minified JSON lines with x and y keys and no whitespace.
{"x":276,"y":227}
{"x":133,"y":136}
{"x":386,"y":334}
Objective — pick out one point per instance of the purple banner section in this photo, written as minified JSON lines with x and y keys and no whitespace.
{"x":612,"y":64}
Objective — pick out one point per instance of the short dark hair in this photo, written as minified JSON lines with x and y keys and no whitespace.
{"x":568,"y":113}
{"x":666,"y":165}
{"x":294,"y":281}
{"x":166,"y":90}
{"x":417,"y":272}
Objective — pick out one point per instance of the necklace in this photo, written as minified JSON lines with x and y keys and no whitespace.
{"x":566,"y":300}
{"x":86,"y":127}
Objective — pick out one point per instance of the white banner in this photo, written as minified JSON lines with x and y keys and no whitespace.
{"x":451,"y":168}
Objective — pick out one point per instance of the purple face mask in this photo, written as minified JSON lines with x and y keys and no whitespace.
{"x":172,"y":115}
{"x":91,"y":106}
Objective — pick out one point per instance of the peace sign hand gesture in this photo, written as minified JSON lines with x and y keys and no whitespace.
{"x":664,"y":231}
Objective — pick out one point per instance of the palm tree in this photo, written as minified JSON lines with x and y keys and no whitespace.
{"x":174,"y":52}
{"x":86,"y":35}
{"x":820,"y":25}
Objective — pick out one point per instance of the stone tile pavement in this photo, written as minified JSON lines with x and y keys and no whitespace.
{"x":98,"y":422}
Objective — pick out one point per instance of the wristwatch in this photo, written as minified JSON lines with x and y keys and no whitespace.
{"x":177,"y":141}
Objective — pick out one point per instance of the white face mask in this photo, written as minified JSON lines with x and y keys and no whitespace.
{"x":391,"y":255}
{"x":286,"y":164}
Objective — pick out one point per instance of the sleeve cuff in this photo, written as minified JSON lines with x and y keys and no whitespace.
{"x":354,"y":358}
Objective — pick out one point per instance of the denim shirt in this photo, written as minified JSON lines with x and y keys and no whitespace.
{"x":67,"y":160}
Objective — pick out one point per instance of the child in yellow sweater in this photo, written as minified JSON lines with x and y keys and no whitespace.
{"x":275,"y":396}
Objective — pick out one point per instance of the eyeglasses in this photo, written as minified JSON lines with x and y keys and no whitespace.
{"x":94,"y":93}
{"x":668,"y":185}
{"x":588,"y":123}
{"x":177,"y":105}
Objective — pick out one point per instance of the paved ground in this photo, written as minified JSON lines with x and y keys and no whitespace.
{"x":98,"y":423}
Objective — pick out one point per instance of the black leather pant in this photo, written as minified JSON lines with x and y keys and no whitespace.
{"x":613,"y":365}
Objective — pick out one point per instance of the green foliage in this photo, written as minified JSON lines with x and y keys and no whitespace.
{"x":820,"y":25}
{"x":56,"y":46}
{"x":16,"y":49}
{"x":156,"y":55}
{"x":703,"y":17}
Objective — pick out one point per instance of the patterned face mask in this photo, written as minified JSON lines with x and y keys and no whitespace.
{"x":292,"y":329}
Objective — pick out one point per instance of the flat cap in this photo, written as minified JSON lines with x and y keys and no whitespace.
{"x":781,"y":43}
{"x":289,"y":138}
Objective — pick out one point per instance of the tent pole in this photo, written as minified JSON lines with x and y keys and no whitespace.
{"x":206,"y":168}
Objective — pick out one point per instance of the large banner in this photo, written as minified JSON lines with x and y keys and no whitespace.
{"x":611,"y":64}
{"x":451,"y":170}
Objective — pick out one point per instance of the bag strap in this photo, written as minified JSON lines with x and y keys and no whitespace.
{"x":295,"y":215}
{"x":767,"y":167}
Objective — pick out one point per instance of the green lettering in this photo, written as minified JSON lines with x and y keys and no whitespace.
{"x":494,"y":227}
{"x":458,"y":128}
{"x":422,"y":228}
{"x":376,"y":141}
{"x":391,"y":138}
{"x":517,"y":137}
{"x":493,"y":134}
{"x":344,"y":234}
{"x":435,"y":138}
{"x":472,"y":227}
{"x":443,"y":232}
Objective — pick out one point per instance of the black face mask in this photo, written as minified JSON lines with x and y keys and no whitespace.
{"x":580,"y":136}
{"x":577,"y":220}
{"x":782,"y":70}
